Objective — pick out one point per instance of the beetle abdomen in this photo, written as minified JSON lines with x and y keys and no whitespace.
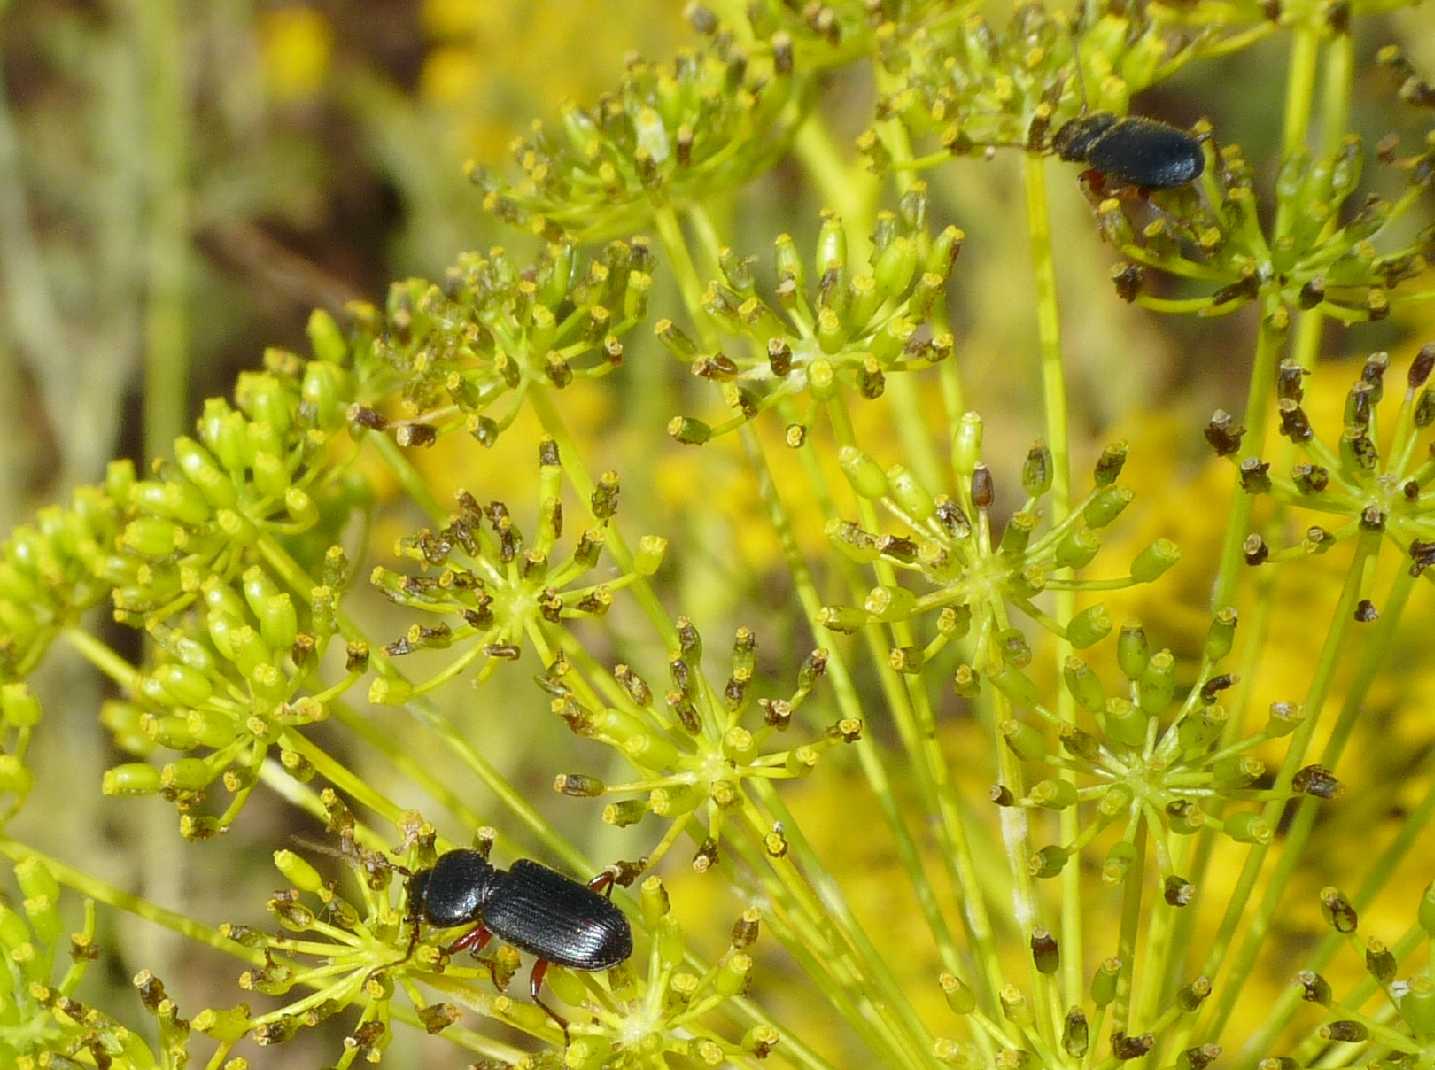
{"x":546,"y":914}
{"x":1144,"y":152}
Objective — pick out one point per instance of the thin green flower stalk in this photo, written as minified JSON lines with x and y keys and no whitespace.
{"x":1399,"y":1030}
{"x":1150,"y":761}
{"x":494,"y":588}
{"x":698,"y":755}
{"x":41,"y":1018}
{"x":852,"y":323}
{"x":971,"y":574}
{"x":970,"y":87}
{"x":1346,"y":265}
{"x":703,"y":125}
{"x":494,"y":330}
{"x":1363,"y":479}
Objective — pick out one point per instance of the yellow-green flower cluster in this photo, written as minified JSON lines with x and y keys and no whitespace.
{"x":495,"y":588}
{"x":970,"y":86}
{"x":228,"y":682}
{"x":1151,"y":760}
{"x":56,"y":567}
{"x":1375,"y":1037}
{"x":362,"y":950}
{"x":972,"y":576}
{"x":825,"y":34}
{"x":1018,"y":1038}
{"x":668,"y":135}
{"x":849,"y":324}
{"x":41,"y":1022}
{"x":1319,"y":256}
{"x":1367,"y":485}
{"x":696,"y":762}
{"x":494,"y":329}
{"x":260,"y":473}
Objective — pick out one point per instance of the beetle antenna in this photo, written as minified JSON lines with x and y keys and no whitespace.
{"x":350,"y":855}
{"x":1080,"y":74}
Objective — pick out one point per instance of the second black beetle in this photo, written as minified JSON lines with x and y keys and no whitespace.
{"x":1134,"y":150}
{"x":530,"y":906}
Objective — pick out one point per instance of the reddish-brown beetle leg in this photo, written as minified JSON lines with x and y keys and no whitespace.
{"x":603,"y":882}
{"x":535,"y":985}
{"x":476,"y":938}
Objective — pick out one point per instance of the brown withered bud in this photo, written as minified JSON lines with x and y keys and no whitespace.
{"x":1422,"y":555}
{"x":1044,"y":951}
{"x":1315,"y":780}
{"x":1214,"y":686}
{"x":745,"y":929}
{"x":1312,"y":293}
{"x":706,"y":856}
{"x":1314,"y":987}
{"x":1198,"y":1058}
{"x":1290,"y":381}
{"x":1255,"y":550}
{"x":367,"y":418}
{"x":1255,"y":476}
{"x":1380,"y":961}
{"x":1310,"y":478}
{"x":1421,"y":366}
{"x":1372,"y":518}
{"x":1295,"y":425}
{"x":1128,"y":1047}
{"x":983,"y":489}
{"x":1129,"y":280}
{"x":1365,"y":612}
{"x":1224,"y":434}
{"x":415,"y":434}
{"x":1001,"y":795}
{"x":1339,"y":913}
{"x":1178,"y":891}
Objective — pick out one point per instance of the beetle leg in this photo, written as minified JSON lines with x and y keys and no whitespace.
{"x":476,"y":938}
{"x":603,"y":882}
{"x":535,"y":985}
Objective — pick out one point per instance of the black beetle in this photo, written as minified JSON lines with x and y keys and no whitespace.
{"x":1136,"y":150}
{"x":528,"y":905}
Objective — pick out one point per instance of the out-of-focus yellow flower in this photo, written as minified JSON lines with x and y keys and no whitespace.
{"x":295,"y":43}
{"x":450,"y":74}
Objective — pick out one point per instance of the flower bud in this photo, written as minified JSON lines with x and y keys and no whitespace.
{"x":1158,"y":683}
{"x":1417,"y":1007}
{"x":1103,"y":984}
{"x":1155,"y":561}
{"x":960,"y":998}
{"x":1084,"y":685}
{"x":297,"y":871}
{"x":733,"y":972}
{"x":1077,"y":547}
{"x":967,"y":444}
{"x":1126,"y":723}
{"x":1106,"y":505}
{"x":131,"y":778}
{"x":649,"y":558}
{"x":19,"y":707}
{"x":864,"y":474}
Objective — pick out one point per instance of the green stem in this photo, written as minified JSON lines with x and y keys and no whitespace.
{"x":1231,"y":564}
{"x":1335,"y":640}
{"x":1053,"y":388}
{"x":161,"y":42}
{"x":572,"y":461}
{"x":109,"y":895}
{"x":1297,"y":837}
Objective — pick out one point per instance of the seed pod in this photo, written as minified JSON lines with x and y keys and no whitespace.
{"x":1052,"y":794}
{"x":1417,"y":1007}
{"x":863,"y":474}
{"x":1103,"y":984}
{"x":1155,"y":561}
{"x":1045,"y":952}
{"x":959,"y":997}
{"x":1125,"y":722}
{"x":1338,"y":912}
{"x":1088,"y":627}
{"x":1075,"y":1034}
{"x":1084,"y":685}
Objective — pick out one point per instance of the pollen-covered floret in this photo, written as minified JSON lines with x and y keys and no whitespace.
{"x":484,"y":586}
{"x":968,"y":575}
{"x":697,"y":763}
{"x":843,"y":324}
